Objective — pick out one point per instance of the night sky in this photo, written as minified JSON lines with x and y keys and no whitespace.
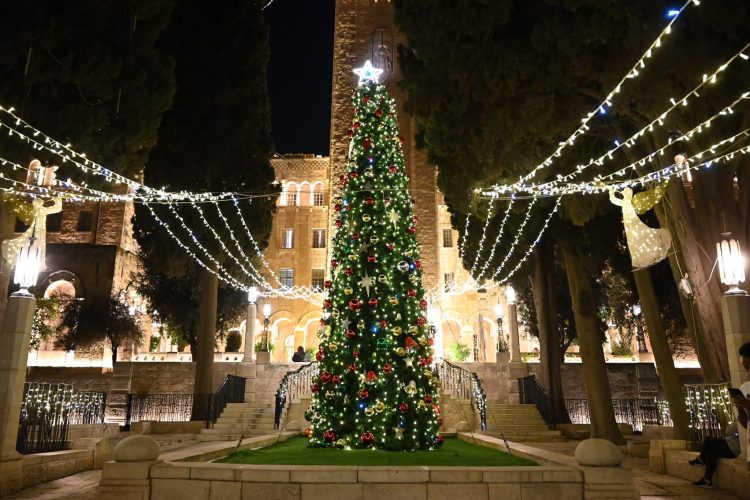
{"x":299,"y":75}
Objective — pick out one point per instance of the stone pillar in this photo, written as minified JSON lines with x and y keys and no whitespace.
{"x":128,"y":476}
{"x":603,"y":473}
{"x":14,"y":352}
{"x":252,"y":314}
{"x":515,"y":341}
{"x":735,"y":310}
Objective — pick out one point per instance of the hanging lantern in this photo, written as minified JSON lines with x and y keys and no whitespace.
{"x":731,"y":264}
{"x":27,"y":266}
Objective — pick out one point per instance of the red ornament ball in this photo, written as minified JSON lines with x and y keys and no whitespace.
{"x":423,"y":304}
{"x":373,"y":302}
{"x":420,"y":321}
{"x":350,"y":333}
{"x":428,"y":399}
{"x":363,"y":394}
{"x":354,"y":304}
{"x":439,"y":439}
{"x":387,"y":368}
{"x":327,"y":283}
{"x":334,"y":263}
{"x":329,"y":436}
{"x":353,"y":367}
{"x":387,"y":200}
{"x":372,"y":258}
{"x":353,"y":174}
{"x":403,"y":407}
{"x":411,"y":292}
{"x":383,"y":323}
{"x":319,"y":355}
{"x":412,"y":229}
{"x":418,"y":264}
{"x":355,"y":354}
{"x":390,"y":246}
{"x":338,"y":223}
{"x":378,"y":113}
{"x":348,"y":271}
{"x":366,"y":143}
{"x":337,"y":207}
{"x":392,"y":169}
{"x":336,"y":379}
{"x":314,"y":388}
{"x":327,"y":304}
{"x":366,"y":98}
{"x":355,"y":236}
{"x":308,"y":432}
{"x":367,"y":438}
{"x":369,"y":200}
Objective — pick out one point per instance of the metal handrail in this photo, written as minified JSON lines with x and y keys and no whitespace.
{"x":231,"y":390}
{"x":292,"y":385}
{"x":532,"y":392}
{"x":465,"y":385}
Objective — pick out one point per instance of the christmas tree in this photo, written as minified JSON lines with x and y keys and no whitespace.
{"x":375,"y":387}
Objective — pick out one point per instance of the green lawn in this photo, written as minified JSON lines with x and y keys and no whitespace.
{"x":453,"y":452}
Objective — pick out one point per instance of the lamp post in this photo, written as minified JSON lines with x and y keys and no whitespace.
{"x":14,"y":349}
{"x":266,"y":317}
{"x":502,"y":344}
{"x":252,"y":314}
{"x":735,"y":311}
{"x":515,"y":342}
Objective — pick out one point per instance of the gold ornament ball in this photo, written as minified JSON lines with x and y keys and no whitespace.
{"x":401,"y":352}
{"x":348,"y":291}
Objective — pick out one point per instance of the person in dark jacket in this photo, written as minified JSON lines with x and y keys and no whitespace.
{"x":299,"y":356}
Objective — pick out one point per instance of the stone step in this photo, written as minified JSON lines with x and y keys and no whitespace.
{"x":517,"y":427}
{"x":233,"y":434}
{"x":510,"y":406}
{"x":248,"y":411}
{"x":242,"y":425}
{"x":252,"y":405}
{"x":521,"y":432}
{"x":233,"y":418}
{"x":531,"y":438}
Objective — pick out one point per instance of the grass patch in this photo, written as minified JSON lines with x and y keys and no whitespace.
{"x":454,"y":452}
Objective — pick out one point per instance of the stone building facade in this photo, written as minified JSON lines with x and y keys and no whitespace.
{"x":364,"y":30}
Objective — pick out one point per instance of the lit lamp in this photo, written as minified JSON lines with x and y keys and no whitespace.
{"x":27,"y":266}
{"x":639,"y":335}
{"x":731,"y":264}
{"x":510,"y":295}
{"x":266,"y":317}
{"x":252,"y":313}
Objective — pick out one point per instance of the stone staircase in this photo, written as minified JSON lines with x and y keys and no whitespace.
{"x":241,"y":419}
{"x":518,"y":422}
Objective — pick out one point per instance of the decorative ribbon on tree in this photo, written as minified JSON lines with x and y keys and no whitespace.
{"x":375,"y":387}
{"x":647,"y":245}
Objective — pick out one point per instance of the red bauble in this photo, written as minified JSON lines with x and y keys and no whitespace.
{"x":431,"y":341}
{"x":387,"y":368}
{"x":372,"y":259}
{"x":356,"y":125}
{"x":369,"y":200}
{"x":366,"y":143}
{"x":403,"y":407}
{"x":329,"y":436}
{"x":411,"y":292}
{"x":322,"y":322}
{"x":371,"y":377}
{"x":420,"y":321}
{"x":366,"y":98}
{"x":319,"y":355}
{"x":325,"y":377}
{"x":412,"y":229}
{"x":354,"y":304}
{"x":327,"y":304}
{"x":423,"y":362}
{"x":392,"y":169}
{"x":423,"y":304}
{"x":378,"y":113}
{"x":367,"y":438}
{"x":308,"y":432}
{"x":418,"y":264}
{"x":350,"y":333}
{"x":427,"y":399}
{"x":354,"y":174}
{"x":390,"y":246}
{"x":334,"y":263}
{"x":338,"y":223}
{"x":373,"y":302}
{"x":355,"y":354}
{"x":337,"y":207}
{"x":327,"y":283}
{"x":348,"y":271}
{"x":383,"y":323}
{"x":439,"y":439}
{"x":414,"y":218}
{"x":355,"y":236}
{"x":387,"y":200}
{"x":363,"y":394}
{"x":353,"y":367}
{"x":336,"y":379}
{"x":350,"y":134}
{"x":409,"y":343}
{"x":314,"y":388}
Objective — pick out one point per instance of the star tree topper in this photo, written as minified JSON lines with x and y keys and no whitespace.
{"x":368,"y":72}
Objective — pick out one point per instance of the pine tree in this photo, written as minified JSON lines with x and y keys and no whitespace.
{"x":375,"y":387}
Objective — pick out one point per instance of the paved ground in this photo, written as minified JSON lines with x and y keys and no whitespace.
{"x":650,"y":485}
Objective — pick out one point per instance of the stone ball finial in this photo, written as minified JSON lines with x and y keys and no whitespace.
{"x":463,"y":426}
{"x":293,"y":425}
{"x":598,"y":453}
{"x":136,"y":449}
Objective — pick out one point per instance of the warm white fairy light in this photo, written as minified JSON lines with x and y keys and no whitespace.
{"x":500,"y":232}
{"x":516,"y":239}
{"x":484,"y":236}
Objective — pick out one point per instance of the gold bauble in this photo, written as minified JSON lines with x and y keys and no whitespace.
{"x":333,"y":347}
{"x":379,"y":407}
{"x":401,"y":352}
{"x":366,"y":218}
{"x":361,"y":324}
{"x":352,"y":257}
{"x":393,"y":301}
{"x":383,"y":278}
{"x":348,"y":290}
{"x":374,"y":239}
{"x":369,"y":411}
{"x":397,"y":330}
{"x":413,"y":329}
{"x":428,"y":374}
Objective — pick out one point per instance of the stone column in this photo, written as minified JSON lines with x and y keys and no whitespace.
{"x":515,"y":341}
{"x":14,"y":351}
{"x":252,"y":314}
{"x":735,"y":310}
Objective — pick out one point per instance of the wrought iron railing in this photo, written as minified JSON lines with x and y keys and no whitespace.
{"x":87,"y":408}
{"x":635,"y":412}
{"x":43,"y":424}
{"x":532,"y":392}
{"x":464,"y":385}
{"x":160,"y":407}
{"x":232,"y":390}
{"x":293,"y":385}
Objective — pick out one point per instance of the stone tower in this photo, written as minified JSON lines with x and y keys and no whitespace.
{"x":364,"y":30}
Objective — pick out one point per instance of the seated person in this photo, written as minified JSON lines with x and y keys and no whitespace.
{"x":299,"y":356}
{"x":715,"y":448}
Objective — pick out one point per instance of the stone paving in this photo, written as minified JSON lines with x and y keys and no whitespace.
{"x":650,"y":485}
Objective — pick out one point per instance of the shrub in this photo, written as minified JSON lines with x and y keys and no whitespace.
{"x":458,"y":351}
{"x":234,"y":342}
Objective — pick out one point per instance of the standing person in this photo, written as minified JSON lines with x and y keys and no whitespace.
{"x":299,"y":356}
{"x":715,"y":448}
{"x":743,"y":404}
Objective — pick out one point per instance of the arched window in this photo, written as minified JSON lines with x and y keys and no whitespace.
{"x":318,"y":199}
{"x":288,"y":348}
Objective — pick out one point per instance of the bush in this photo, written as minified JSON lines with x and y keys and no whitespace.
{"x":622,"y":349}
{"x":234,"y":342}
{"x":259,"y":345}
{"x":458,"y":351}
{"x":153,"y":343}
